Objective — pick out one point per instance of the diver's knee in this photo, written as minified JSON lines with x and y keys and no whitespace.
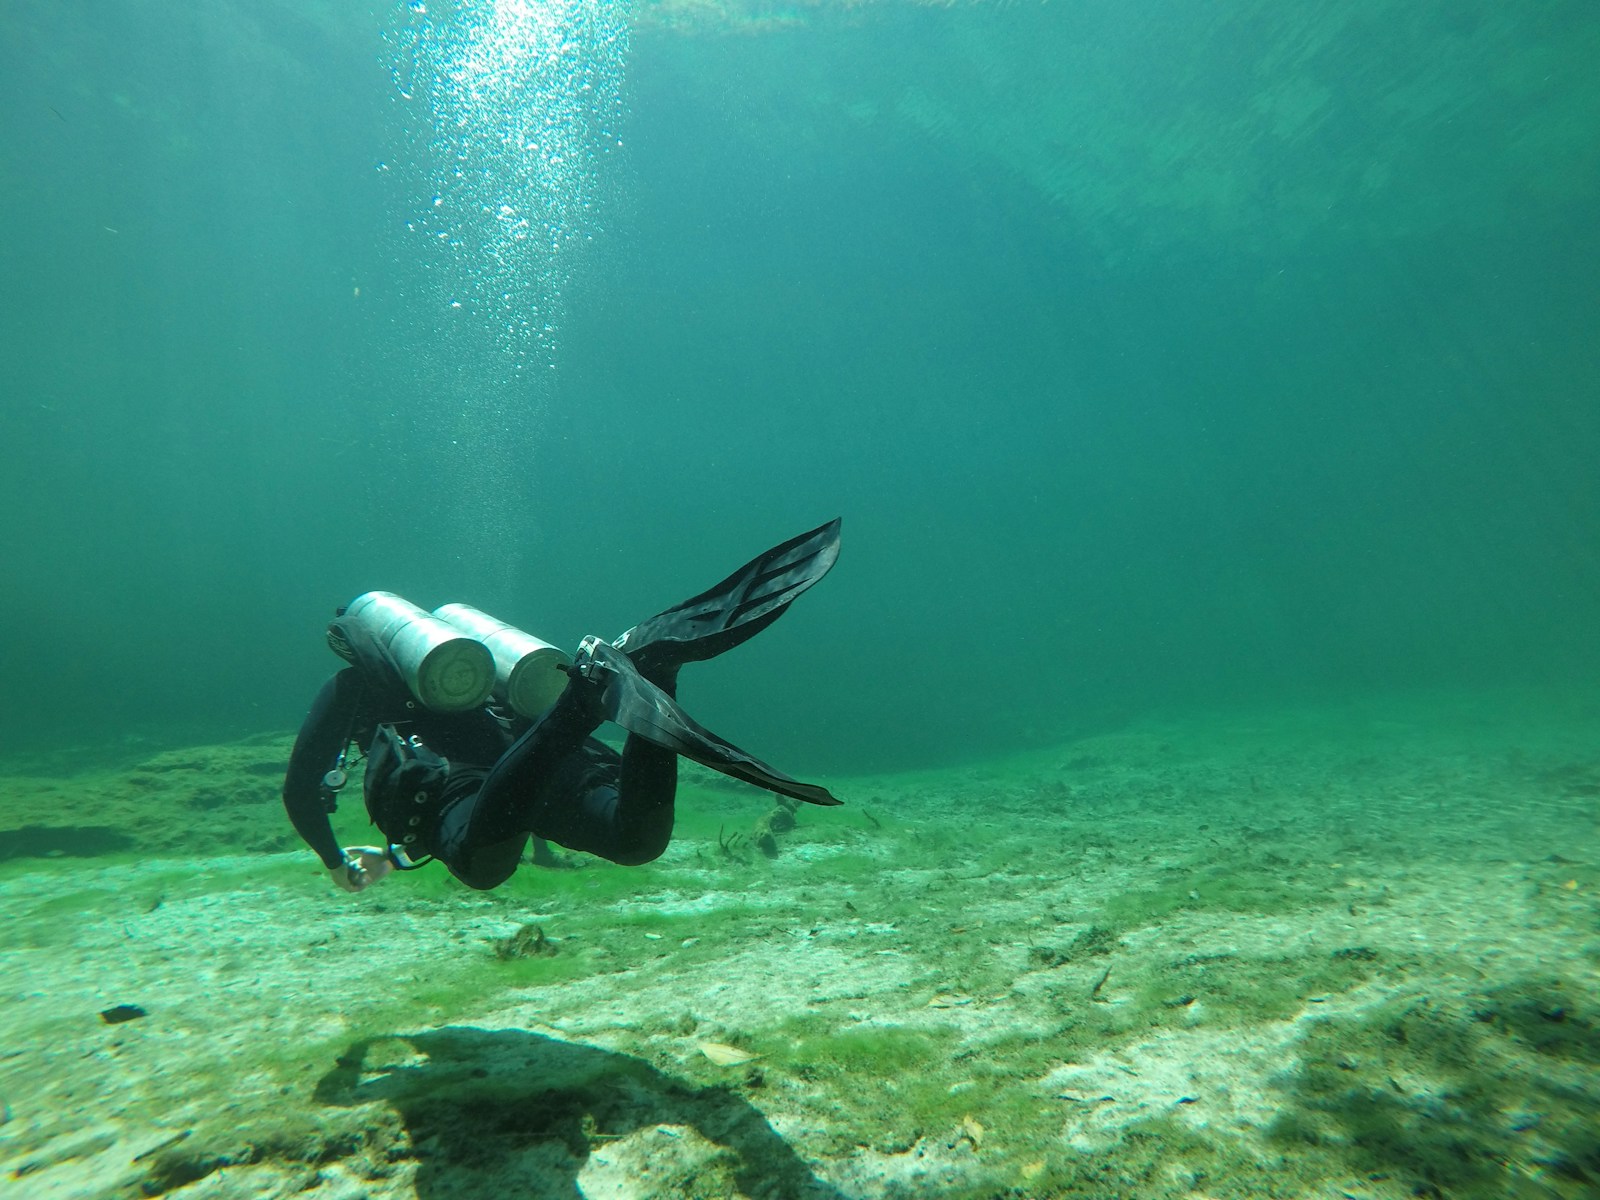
{"x":483,"y":876}
{"x":480,"y":883}
{"x":638,"y":851}
{"x":637,"y":856}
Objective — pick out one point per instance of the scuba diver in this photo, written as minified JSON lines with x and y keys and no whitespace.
{"x":477,"y":735}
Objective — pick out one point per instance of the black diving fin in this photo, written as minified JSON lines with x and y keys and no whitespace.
{"x":639,"y":706}
{"x":735,"y":610}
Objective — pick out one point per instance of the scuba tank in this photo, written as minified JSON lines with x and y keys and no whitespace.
{"x":452,"y":659}
{"x":527,"y":670}
{"x":394,"y":640}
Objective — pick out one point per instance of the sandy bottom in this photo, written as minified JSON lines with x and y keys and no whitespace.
{"x":1333,"y":953}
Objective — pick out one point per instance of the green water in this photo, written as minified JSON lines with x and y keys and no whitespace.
{"x":1157,"y":361}
{"x":1211,"y":394}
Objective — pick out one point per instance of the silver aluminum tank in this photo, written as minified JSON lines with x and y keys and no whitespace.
{"x":527,"y":669}
{"x":446,"y":671}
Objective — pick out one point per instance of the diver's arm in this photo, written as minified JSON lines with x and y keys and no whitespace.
{"x":331,"y":720}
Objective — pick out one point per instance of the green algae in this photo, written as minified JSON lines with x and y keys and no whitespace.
{"x":1096,"y":965}
{"x":1252,"y":883}
{"x":925,"y":1084}
{"x":201,"y":801}
{"x":1430,"y":1092}
{"x":1235,"y":990}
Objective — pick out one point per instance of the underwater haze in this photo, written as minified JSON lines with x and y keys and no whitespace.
{"x":1210,"y":393}
{"x":1156,"y":358}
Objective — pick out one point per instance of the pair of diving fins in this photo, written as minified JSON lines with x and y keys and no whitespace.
{"x":702,"y":627}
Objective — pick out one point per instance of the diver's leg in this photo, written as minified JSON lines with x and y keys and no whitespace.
{"x":481,"y":837}
{"x":648,"y":787}
{"x":647,"y":791}
{"x":626,"y":818}
{"x":622,"y":811}
{"x":479,"y":865}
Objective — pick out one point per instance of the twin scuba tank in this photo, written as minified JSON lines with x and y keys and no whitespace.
{"x":452,"y":659}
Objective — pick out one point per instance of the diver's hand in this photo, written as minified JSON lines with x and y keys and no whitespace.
{"x":363,"y":866}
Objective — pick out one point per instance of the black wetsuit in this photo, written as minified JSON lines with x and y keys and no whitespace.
{"x":470,"y":788}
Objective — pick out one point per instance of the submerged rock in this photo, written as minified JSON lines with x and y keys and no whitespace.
{"x":119,"y":1013}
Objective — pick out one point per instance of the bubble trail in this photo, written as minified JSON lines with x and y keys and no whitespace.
{"x":512,"y":107}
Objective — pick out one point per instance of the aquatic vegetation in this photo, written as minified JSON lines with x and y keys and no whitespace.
{"x":204,"y":802}
{"x":527,"y":942}
{"x":1443,"y":1094}
{"x":1093,"y":942}
{"x":1223,"y":988}
{"x":1061,"y":1007}
{"x":1254,"y":883}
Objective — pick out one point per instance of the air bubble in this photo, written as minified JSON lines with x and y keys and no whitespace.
{"x":519,"y":100}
